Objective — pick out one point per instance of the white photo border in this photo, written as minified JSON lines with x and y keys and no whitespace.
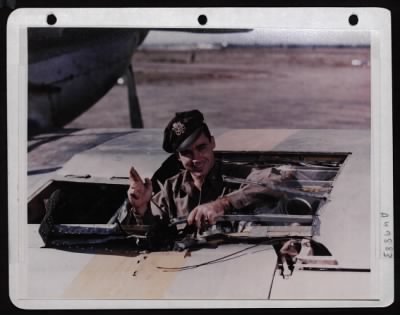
{"x":374,"y":20}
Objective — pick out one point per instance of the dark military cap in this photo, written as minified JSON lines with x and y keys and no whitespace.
{"x":182,"y":130}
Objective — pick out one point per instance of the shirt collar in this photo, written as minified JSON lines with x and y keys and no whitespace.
{"x":213,"y":179}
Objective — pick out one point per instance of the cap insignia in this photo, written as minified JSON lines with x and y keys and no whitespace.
{"x":178,"y":128}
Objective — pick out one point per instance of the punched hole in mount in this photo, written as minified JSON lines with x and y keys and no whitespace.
{"x":51,"y":19}
{"x":202,"y":19}
{"x":353,"y":19}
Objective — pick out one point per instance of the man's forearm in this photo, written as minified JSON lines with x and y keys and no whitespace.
{"x":225,"y":203}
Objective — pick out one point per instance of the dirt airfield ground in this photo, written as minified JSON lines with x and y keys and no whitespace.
{"x":273,"y":87}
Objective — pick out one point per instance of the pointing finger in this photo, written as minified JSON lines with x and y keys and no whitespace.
{"x":134,"y":176}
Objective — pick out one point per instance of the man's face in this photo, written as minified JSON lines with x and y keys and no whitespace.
{"x":198,"y":159}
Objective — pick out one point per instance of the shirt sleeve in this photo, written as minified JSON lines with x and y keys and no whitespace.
{"x":161,"y":204}
{"x":251,"y":194}
{"x":157,"y":207}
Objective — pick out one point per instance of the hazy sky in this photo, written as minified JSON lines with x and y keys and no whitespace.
{"x":260,"y":37}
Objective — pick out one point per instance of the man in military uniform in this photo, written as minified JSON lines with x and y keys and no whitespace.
{"x":198,"y":192}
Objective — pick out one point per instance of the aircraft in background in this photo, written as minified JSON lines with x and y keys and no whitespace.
{"x":70,"y":69}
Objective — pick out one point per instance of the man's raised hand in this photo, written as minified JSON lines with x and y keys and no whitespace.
{"x":139,"y":192}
